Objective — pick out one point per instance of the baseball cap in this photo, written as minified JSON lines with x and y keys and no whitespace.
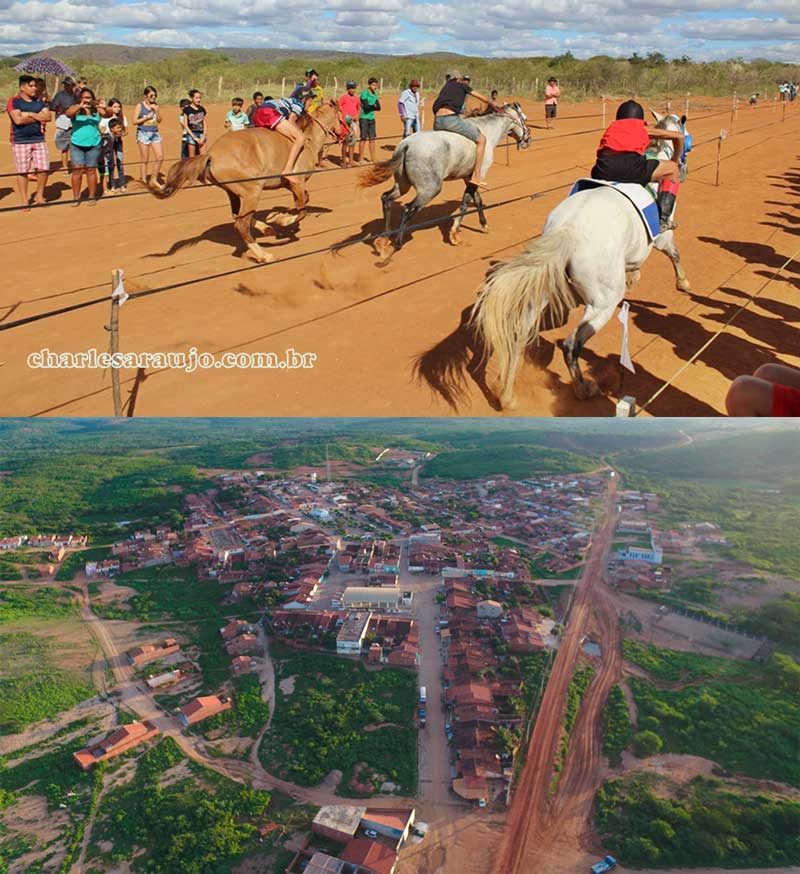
{"x":413,"y":83}
{"x":68,"y":80}
{"x":467,"y":77}
{"x":311,"y":72}
{"x":455,"y":74}
{"x":351,"y":83}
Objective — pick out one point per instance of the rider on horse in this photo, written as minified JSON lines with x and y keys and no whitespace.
{"x":448,"y":109}
{"x":281,"y":115}
{"x":621,"y":157}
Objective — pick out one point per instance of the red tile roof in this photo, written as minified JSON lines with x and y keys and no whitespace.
{"x":371,"y":854}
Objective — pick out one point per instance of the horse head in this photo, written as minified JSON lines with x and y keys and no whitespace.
{"x":672,"y":122}
{"x":328,"y":117}
{"x":519,"y":124}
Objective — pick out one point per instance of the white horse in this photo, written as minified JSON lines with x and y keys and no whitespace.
{"x":425,"y":160}
{"x":590,"y":253}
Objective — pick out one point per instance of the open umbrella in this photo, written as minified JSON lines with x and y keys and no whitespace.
{"x":44,"y":66}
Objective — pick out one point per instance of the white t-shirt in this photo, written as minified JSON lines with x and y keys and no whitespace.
{"x":104,"y":122}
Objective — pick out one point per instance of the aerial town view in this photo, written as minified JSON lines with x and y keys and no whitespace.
{"x":399,"y":646}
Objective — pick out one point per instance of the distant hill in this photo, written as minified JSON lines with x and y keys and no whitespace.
{"x":110,"y":53}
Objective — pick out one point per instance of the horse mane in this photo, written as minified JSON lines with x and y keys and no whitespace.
{"x":304,"y":121}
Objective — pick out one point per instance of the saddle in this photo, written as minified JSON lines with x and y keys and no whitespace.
{"x":642,"y":197}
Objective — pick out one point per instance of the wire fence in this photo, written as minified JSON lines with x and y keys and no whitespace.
{"x":371,"y":237}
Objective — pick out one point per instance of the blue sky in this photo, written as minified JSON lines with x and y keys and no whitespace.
{"x":702,"y":29}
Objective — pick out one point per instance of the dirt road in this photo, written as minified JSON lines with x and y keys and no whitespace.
{"x":368,"y":323}
{"x":528,"y":838}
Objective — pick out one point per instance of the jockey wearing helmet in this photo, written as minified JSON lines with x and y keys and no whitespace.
{"x":281,"y":115}
{"x":621,"y":157}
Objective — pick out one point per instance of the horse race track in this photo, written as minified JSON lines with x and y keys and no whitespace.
{"x":368,"y":323}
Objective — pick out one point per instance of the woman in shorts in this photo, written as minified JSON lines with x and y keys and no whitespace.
{"x":147,"y":118}
{"x":621,"y":157}
{"x":84,"y":146}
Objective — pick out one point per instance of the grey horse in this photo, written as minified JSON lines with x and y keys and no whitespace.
{"x":424,"y":161}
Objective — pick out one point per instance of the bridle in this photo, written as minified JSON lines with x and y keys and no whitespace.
{"x":328,"y":131}
{"x":516,"y":115}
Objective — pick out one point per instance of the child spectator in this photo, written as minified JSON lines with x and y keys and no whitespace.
{"x":258,"y":99}
{"x":236,"y":119}
{"x":111,"y":165}
{"x":184,"y":136}
{"x":193,"y":119}
{"x":350,"y":110}
{"x":370,"y":104}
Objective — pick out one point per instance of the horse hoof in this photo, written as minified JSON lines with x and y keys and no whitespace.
{"x":684,"y":286}
{"x":455,"y":238}
{"x":485,"y":229}
{"x":383,"y":248}
{"x":508,"y":402}
{"x":586,"y":389}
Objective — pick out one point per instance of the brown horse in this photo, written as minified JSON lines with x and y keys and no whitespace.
{"x":257,"y":152}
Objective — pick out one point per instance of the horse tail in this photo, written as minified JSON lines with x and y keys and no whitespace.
{"x":507,"y":315}
{"x":185,"y":172}
{"x":377,"y":173}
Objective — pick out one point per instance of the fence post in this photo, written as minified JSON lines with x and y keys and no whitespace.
{"x":381,"y":83}
{"x":604,"y":110}
{"x":283,"y":87}
{"x":686,"y":105}
{"x":335,"y":86}
{"x":722,"y":134}
{"x":117,"y":292}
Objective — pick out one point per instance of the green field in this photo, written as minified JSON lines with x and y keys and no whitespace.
{"x":616,"y":726}
{"x":702,"y":823}
{"x":320,"y":726}
{"x":516,"y":461}
{"x":32,"y":686}
{"x":732,"y":712}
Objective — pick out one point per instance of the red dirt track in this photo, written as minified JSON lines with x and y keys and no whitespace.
{"x":368,"y":323}
{"x":542,"y":834}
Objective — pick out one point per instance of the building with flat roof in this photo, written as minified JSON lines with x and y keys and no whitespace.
{"x":371,"y":598}
{"x":351,"y":634}
{"x":339,"y":822}
{"x":391,"y":823}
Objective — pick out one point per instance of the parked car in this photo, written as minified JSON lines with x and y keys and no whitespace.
{"x":370,"y":833}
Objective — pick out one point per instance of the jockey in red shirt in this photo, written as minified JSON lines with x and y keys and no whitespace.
{"x":621,"y":157}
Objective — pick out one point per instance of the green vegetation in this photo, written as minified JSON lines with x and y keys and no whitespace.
{"x":748,"y":485}
{"x":168,"y":820}
{"x":76,"y":561}
{"x":647,"y":743}
{"x":515,"y":461}
{"x":46,"y":602}
{"x":242,"y":70}
{"x":93,"y":493}
{"x":731,"y":712}
{"x":249,"y":714}
{"x":703,"y":824}
{"x":671,"y":664}
{"x":578,"y":685}
{"x":52,"y":774}
{"x":616,"y":726}
{"x":32,"y":687}
{"x":321,"y":725}
{"x":778,"y":620}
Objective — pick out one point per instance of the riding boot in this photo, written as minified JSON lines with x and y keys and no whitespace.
{"x":666,"y":204}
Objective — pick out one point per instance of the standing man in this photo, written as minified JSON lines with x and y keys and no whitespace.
{"x":59,"y":105}
{"x":551,"y":94}
{"x":350,"y":110}
{"x":193,"y":119}
{"x":28,"y":117}
{"x":408,"y":106}
{"x":370,"y":104}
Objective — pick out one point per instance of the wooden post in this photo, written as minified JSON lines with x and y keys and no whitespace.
{"x":113,"y":346}
{"x":219,"y":88}
{"x":686,"y":105}
{"x":604,"y":110}
{"x":335,"y":87}
{"x":537,"y":87}
{"x":381,"y":83}
{"x":722,"y":134}
{"x":283,"y":87}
